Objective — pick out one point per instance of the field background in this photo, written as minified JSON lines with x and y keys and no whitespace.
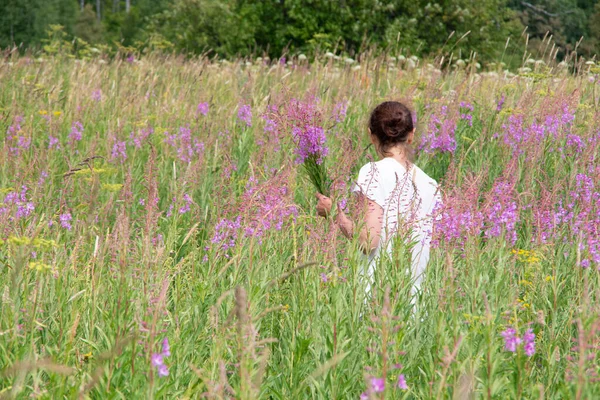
{"x":139,"y":204}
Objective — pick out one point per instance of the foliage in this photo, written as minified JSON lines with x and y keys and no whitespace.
{"x":155,"y":197}
{"x":230,"y":28}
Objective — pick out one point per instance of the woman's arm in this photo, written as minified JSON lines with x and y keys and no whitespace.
{"x":369,"y":233}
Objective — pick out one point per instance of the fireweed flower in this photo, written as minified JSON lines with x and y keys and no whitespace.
{"x":65,"y":221}
{"x":440,"y":136}
{"x":377,"y":385}
{"x":402,"y":382}
{"x":202,"y":108}
{"x":529,"y":342}
{"x":500,"y":103}
{"x":339,"y":111}
{"x":245,"y":114}
{"x":186,"y":207}
{"x":158,"y":359}
{"x":53,"y":143}
{"x":466,"y":110}
{"x":97,"y":95}
{"x":119,"y":151}
{"x":310,"y":144}
{"x":187,"y":148}
{"x":138,"y":137}
{"x":511,"y":340}
{"x":17,"y":142}
{"x":76,"y":132}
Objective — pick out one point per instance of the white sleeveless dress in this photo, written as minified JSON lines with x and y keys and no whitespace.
{"x":408,"y":199}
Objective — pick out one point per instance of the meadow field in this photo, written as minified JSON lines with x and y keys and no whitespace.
{"x":159,"y":240}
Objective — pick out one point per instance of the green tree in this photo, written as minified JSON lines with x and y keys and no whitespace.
{"x":87,"y":26}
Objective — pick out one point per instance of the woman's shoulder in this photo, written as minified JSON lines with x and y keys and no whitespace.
{"x":423,"y":178}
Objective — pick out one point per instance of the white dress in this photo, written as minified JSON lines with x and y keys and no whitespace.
{"x":408,"y":199}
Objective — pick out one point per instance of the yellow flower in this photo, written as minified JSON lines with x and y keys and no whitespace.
{"x":40,"y":267}
{"x":57,"y":113}
{"x":286,"y":308}
{"x":43,"y":112}
{"x":112,"y":187}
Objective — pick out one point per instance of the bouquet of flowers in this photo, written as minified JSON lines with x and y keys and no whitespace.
{"x":310,"y":153}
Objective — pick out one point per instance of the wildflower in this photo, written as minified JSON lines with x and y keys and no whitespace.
{"x":186,"y":206}
{"x":310,"y":144}
{"x":119,"y":151}
{"x":57,"y":113}
{"x":166,"y":349}
{"x":364,"y":396}
{"x":158,"y":359}
{"x":65,"y":221}
{"x":202,"y":108}
{"x":441,"y":133}
{"x":97,"y":95}
{"x":53,"y":143}
{"x":140,"y":136}
{"x":402,"y":382}
{"x":500,"y":103}
{"x":76,"y":132}
{"x":377,"y":385}
{"x":245,"y":114}
{"x":529,"y":342}
{"x":163,"y":370}
{"x":339,"y":111}
{"x":324,"y":278}
{"x":511,"y":340}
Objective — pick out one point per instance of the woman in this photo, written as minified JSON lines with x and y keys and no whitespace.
{"x":398,"y":197}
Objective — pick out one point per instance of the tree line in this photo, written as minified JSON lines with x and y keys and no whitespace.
{"x":230,"y":28}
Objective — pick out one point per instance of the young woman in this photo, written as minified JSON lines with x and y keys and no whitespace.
{"x":398,"y":196}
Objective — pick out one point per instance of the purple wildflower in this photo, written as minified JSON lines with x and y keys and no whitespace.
{"x":140,"y":136}
{"x":245,"y":114}
{"x":97,"y":95}
{"x":364,"y":396}
{"x":76,"y":132}
{"x":163,"y":370}
{"x":441,"y":133}
{"x":53,"y":143}
{"x":339,"y":111}
{"x":166,"y":349}
{"x":310,"y":143}
{"x":202,"y":108}
{"x":65,"y":221}
{"x":511,"y":340}
{"x":186,"y":206}
{"x":187,"y":147}
{"x":377,"y":385}
{"x":402,"y":382}
{"x":324,"y":278}
{"x":24,"y":209}
{"x":119,"y":151}
{"x":529,"y":342}
{"x":157,"y":359}
{"x":500,"y":104}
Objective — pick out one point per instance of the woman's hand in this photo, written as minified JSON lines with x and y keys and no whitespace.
{"x":324,"y":205}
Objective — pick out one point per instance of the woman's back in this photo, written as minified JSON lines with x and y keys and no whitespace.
{"x":408,"y":198}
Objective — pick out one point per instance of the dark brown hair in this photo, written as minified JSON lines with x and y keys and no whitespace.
{"x":391,"y":122}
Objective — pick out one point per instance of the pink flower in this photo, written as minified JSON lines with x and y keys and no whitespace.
{"x":511,"y":340}
{"x":529,"y":342}
{"x":402,"y":382}
{"x":202,"y":108}
{"x":157,"y":359}
{"x":377,"y":385}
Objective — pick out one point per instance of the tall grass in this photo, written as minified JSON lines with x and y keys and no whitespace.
{"x":164,"y":222}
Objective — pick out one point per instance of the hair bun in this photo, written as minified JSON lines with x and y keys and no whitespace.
{"x":393,"y":128}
